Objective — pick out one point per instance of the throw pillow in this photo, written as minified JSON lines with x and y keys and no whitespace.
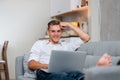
{"x":28,"y":72}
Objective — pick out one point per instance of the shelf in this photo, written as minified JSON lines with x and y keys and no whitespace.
{"x":82,"y":9}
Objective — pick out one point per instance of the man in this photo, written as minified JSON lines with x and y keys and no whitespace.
{"x":41,"y":50}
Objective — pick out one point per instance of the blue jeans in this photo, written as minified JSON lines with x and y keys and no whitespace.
{"x":73,"y":75}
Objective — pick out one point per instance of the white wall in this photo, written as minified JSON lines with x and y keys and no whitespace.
{"x":94,"y":20}
{"x":22,"y":22}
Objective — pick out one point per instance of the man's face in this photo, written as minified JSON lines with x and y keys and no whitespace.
{"x":54,"y":33}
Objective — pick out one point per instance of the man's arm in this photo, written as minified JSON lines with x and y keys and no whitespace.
{"x":32,"y":64}
{"x":83,"y":35}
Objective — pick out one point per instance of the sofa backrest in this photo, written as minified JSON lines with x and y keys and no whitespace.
{"x":19,"y":67}
{"x":22,"y":71}
{"x":96,"y":49}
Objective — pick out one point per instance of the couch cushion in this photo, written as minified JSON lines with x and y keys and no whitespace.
{"x":25,"y":61}
{"x":91,"y":61}
{"x":113,"y":48}
{"x":28,"y":72}
{"x":87,"y":47}
{"x":103,"y":73}
{"x":115,"y":60}
{"x":99,"y":48}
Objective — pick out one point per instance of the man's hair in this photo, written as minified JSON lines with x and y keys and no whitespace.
{"x":53,"y":22}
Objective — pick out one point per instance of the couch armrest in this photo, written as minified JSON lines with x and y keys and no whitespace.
{"x":103,"y":73}
{"x":19,"y":66}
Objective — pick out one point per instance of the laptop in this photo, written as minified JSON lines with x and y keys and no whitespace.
{"x":65,"y":61}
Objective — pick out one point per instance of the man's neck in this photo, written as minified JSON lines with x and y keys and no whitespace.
{"x":54,"y":42}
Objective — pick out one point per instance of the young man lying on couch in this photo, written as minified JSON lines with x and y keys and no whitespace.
{"x":41,"y":51}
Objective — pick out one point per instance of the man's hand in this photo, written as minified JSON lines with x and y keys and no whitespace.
{"x":45,"y":66}
{"x":105,"y":60}
{"x":64,"y":25}
{"x":83,"y":35}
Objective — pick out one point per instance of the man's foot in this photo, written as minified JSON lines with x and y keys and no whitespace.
{"x":105,"y":60}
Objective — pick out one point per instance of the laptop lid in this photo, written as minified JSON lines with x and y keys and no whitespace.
{"x":65,"y":61}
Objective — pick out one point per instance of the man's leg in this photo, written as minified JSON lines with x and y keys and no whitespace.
{"x":77,"y":75}
{"x":74,"y":75}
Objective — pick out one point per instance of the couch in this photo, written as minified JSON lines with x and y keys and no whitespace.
{"x":94,"y":51}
